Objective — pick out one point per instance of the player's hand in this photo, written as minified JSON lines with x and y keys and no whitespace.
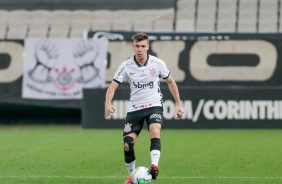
{"x":110,"y":110}
{"x":179,"y":112}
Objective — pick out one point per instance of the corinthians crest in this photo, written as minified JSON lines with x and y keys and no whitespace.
{"x":153,"y":72}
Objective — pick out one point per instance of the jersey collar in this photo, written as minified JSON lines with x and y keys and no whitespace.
{"x":145,"y":64}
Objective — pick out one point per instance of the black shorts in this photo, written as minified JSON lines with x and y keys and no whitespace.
{"x":135,"y":120}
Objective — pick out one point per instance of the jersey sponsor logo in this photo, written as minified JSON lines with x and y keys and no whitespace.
{"x":142,"y":85}
{"x":142,"y":106}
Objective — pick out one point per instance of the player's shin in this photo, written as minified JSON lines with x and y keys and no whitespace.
{"x":129,"y":155}
{"x":155,"y":151}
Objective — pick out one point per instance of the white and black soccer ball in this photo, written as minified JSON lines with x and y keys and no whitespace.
{"x":141,"y":175}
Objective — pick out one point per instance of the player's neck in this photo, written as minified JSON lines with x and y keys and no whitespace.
{"x":141,"y":61}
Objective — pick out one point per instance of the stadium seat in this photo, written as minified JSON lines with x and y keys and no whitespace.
{"x":185,"y":26}
{"x":268,"y":16}
{"x":145,"y":20}
{"x":163,"y":21}
{"x":59,"y":24}
{"x":122,"y":20}
{"x":206,"y":15}
{"x":102,"y":20}
{"x":185,"y":14}
{"x":280,"y":18}
{"x":205,"y":27}
{"x":226,"y":27}
{"x":38,"y":24}
{"x":268,"y":27}
{"x":80,"y":22}
{"x":18,"y":24}
{"x":247,"y":27}
{"x":146,"y":26}
{"x":186,"y":5}
{"x":226,"y":16}
{"x":163,"y":25}
{"x":3,"y":23}
{"x":185,"y":20}
{"x":267,"y":5}
{"x":247,"y":16}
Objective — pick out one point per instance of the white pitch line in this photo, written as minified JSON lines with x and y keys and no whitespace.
{"x":163,"y":177}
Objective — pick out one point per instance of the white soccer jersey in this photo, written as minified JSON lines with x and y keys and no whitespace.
{"x":144,"y":81}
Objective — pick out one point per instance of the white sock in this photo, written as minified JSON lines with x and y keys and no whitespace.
{"x":130,"y":167}
{"x":155,"y":157}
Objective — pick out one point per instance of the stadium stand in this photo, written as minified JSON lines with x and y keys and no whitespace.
{"x":215,"y":16}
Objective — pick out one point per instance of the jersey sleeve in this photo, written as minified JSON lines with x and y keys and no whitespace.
{"x":164,"y":72}
{"x":120,"y":74}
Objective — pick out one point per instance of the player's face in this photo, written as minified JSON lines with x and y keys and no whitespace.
{"x":140,"y":49}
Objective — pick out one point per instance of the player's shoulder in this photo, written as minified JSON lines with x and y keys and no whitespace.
{"x":155,"y":59}
{"x":128,"y":62}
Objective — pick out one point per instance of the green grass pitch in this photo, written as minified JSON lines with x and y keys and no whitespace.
{"x":71,"y":155}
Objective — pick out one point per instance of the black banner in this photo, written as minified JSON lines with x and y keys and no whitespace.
{"x":201,"y":60}
{"x":225,"y":80}
{"x":203,"y":108}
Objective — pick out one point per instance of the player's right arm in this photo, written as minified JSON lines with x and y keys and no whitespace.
{"x":118,"y":78}
{"x":110,"y":109}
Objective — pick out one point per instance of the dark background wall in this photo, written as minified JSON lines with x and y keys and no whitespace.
{"x":86,"y":4}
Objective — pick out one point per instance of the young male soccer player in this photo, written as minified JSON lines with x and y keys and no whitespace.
{"x":142,"y":72}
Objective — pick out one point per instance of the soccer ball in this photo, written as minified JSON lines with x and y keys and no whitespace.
{"x":141,"y":175}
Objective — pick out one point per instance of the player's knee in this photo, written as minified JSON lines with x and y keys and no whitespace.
{"x":155,"y":133}
{"x":128,"y":143}
{"x":129,"y":155}
{"x":155,"y":130}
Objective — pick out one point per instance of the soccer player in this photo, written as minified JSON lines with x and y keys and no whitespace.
{"x":142,"y":72}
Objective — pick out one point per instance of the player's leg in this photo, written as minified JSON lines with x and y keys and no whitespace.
{"x":132,"y":128}
{"x":155,"y":148}
{"x":154,"y":121}
{"x":129,"y":155}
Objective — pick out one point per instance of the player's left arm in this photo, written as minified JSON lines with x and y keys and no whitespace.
{"x":175,"y":93}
